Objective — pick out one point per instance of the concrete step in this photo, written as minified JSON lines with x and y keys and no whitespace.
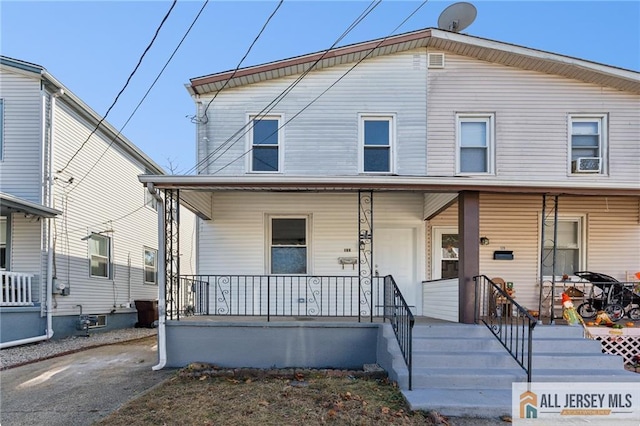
{"x":450,"y":330}
{"x":565,"y":361}
{"x":459,"y":344}
{"x":568,"y":345}
{"x":466,"y":378}
{"x":557,"y":331}
{"x":584,"y":375}
{"x":487,"y":403}
{"x":471,"y":359}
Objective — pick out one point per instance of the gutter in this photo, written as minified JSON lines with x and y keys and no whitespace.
{"x":162,"y":306}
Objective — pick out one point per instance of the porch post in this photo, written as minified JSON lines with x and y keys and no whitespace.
{"x":469,"y":263}
{"x":172,"y":252}
{"x":365,"y":253}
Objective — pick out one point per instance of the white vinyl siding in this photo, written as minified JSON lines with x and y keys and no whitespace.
{"x":1,"y":127}
{"x":588,"y":137}
{"x":265,"y":144}
{"x":475,"y":143}
{"x":240,"y":227}
{"x":377,"y":134}
{"x":531,"y":110}
{"x":324,"y":139}
{"x":26,"y":249}
{"x":20,"y":167}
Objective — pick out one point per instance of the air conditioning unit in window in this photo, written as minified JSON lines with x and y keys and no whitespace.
{"x":586,"y":165}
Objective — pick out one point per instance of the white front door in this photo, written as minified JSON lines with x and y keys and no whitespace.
{"x":445,"y":252}
{"x":394,"y":253}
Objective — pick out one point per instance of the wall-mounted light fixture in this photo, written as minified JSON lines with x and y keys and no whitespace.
{"x":484,"y":241}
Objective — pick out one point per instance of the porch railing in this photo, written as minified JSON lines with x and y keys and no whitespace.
{"x":397,"y":311}
{"x":509,"y":322}
{"x":279,"y":296}
{"x":16,"y":289}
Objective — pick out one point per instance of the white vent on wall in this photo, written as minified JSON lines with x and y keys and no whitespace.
{"x":586,"y":165}
{"x":435,"y":60}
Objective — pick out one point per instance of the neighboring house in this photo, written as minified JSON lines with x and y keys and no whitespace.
{"x":77,"y":232}
{"x":438,"y":158}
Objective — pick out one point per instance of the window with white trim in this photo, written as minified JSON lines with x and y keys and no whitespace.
{"x":150,"y":266}
{"x":569,"y":247}
{"x":288,"y":245}
{"x":475,"y":143}
{"x":100,"y":256}
{"x":377,"y":140}
{"x":587,"y":143}
{"x":265,"y":140}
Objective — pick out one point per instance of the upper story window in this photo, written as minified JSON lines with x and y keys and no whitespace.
{"x":1,"y":128}
{"x":100,"y":256}
{"x":150,"y":266}
{"x":475,"y":143}
{"x":377,"y":140}
{"x":265,"y":140}
{"x":587,"y":143}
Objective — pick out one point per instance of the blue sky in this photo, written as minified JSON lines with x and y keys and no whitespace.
{"x":92,"y":46}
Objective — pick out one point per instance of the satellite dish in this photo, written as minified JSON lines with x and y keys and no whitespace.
{"x":457,"y":17}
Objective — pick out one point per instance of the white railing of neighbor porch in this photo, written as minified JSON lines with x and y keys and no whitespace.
{"x":16,"y":289}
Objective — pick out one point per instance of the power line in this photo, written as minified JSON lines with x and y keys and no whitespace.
{"x":123,"y":88}
{"x":145,"y":95}
{"x":269,"y":107}
{"x":328,"y":88}
{"x":242,"y":60}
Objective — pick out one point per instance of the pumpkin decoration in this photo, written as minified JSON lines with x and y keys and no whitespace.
{"x":630,"y":324}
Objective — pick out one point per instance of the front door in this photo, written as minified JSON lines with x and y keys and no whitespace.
{"x":445,"y":253}
{"x":394,"y":253}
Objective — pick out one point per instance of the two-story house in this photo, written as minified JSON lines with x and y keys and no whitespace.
{"x":77,"y":233}
{"x":432,"y":157}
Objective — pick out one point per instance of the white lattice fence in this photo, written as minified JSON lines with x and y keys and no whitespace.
{"x":625,"y":346}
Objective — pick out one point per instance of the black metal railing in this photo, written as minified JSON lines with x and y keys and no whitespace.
{"x":397,"y":311}
{"x":284,"y":295}
{"x":509,"y":322}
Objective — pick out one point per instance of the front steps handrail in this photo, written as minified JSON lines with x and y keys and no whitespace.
{"x":397,"y":311}
{"x":509,"y":322}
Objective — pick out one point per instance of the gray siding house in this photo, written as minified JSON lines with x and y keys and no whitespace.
{"x":439,"y":159}
{"x":77,"y":232}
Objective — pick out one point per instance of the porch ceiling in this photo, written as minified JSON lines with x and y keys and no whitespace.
{"x":12,"y":203}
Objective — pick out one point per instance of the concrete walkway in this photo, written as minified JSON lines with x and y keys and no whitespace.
{"x":80,"y":388}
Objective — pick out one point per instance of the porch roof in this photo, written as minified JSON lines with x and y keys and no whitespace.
{"x":13,"y":203}
{"x":192,"y":187}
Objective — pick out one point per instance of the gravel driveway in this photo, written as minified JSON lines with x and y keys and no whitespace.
{"x":78,"y":388}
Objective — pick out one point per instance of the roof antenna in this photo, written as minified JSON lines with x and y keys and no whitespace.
{"x":457,"y":17}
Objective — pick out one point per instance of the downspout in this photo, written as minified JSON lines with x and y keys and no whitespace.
{"x":49,"y":306}
{"x":162,"y":308}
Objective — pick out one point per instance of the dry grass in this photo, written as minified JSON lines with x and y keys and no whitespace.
{"x":311,"y":400}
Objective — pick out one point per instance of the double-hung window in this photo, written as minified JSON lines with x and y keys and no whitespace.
{"x":569,"y":247}
{"x":100,"y":256}
{"x":588,"y":136}
{"x":377,"y":139}
{"x":150,"y":266}
{"x":288,"y":245}
{"x":475,"y":143}
{"x":266,"y":144}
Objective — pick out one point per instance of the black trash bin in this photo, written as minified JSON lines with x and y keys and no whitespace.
{"x":147,"y":313}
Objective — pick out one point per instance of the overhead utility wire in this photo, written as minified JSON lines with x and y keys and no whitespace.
{"x":123,"y":88}
{"x":144,"y":97}
{"x":269,"y":107}
{"x":242,"y":60}
{"x":331,"y":86}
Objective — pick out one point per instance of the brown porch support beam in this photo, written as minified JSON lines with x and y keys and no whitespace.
{"x":469,"y":263}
